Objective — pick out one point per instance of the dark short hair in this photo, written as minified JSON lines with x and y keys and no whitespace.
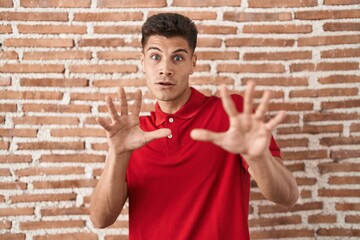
{"x":170,"y":25}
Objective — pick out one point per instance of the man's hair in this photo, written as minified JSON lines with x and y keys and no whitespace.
{"x":170,"y":25}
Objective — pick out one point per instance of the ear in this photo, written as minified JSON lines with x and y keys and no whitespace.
{"x":142,"y":62}
{"x":194,"y":59}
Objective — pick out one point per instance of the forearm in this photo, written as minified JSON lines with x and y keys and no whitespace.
{"x":110,"y":193}
{"x":274,"y":180}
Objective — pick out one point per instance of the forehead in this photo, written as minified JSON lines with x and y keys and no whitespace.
{"x":166,"y":44}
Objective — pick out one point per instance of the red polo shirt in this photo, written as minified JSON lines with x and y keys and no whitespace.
{"x":185,"y":189}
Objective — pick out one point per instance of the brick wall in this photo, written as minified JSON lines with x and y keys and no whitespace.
{"x":60,"y":58}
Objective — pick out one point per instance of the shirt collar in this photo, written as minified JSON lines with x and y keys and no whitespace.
{"x":190,"y":108}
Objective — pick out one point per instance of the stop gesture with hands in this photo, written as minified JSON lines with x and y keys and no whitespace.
{"x":248,"y":133}
{"x":124,"y":133}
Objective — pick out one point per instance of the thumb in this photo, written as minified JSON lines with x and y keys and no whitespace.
{"x":204,"y":135}
{"x":160,"y":133}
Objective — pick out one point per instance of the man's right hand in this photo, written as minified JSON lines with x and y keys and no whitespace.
{"x":124,"y":133}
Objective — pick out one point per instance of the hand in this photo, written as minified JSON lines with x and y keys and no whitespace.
{"x":124,"y":133}
{"x":248,"y":133}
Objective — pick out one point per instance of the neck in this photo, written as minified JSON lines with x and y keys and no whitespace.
{"x":172,"y":106}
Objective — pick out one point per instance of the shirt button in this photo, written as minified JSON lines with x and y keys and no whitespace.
{"x":171,"y":120}
{"x":170,"y":135}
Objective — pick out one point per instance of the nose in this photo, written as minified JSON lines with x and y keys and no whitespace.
{"x":166,"y":69}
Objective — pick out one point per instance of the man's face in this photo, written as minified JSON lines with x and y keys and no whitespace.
{"x":167,"y":64}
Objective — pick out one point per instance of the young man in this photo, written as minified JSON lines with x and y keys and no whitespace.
{"x":186,"y":168}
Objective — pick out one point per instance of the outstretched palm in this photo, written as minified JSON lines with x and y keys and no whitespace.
{"x":248,"y":133}
{"x":124,"y":133}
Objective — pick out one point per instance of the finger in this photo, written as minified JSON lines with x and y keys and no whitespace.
{"x":227,"y":102}
{"x":275,"y":121}
{"x":111,"y":109}
{"x":204,"y":135}
{"x":123,"y":101}
{"x":103,"y":123}
{"x":249,"y":97}
{"x":137,"y":104}
{"x":263,"y":106}
{"x":160,"y":133}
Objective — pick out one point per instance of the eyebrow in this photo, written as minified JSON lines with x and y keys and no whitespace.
{"x":176,"y":51}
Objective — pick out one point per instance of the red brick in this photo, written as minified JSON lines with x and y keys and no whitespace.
{"x":343,"y":180}
{"x":117,"y":29}
{"x":8,"y":55}
{"x":55,"y":4}
{"x":327,"y":14}
{"x":206,"y":3}
{"x":32,"y":68}
{"x":209,"y":42}
{"x":300,"y":106}
{"x":342,"y":232}
{"x":52,"y":29}
{"x":339,"y":79}
{"x":116,"y":237}
{"x":34,"y":16}
{"x":325,"y":66}
{"x":5,"y":81}
{"x":194,"y":15}
{"x":65,"y":211}
{"x":5,"y":172}
{"x":312,"y":129}
{"x":88,"y":158}
{"x":277,"y":234}
{"x":343,"y":154}
{"x":61,"y":55}
{"x":100,"y":146}
{"x":347,"y":207}
{"x":78,"y":132}
{"x":222,"y":55}
{"x":43,"y":120}
{"x":103,"y":68}
{"x":211,"y":80}
{"x":351,"y":193}
{"x":304,"y":155}
{"x":340,"y":104}
{"x":108,"y":16}
{"x":13,"y":236}
{"x":355,"y":127}
{"x":211,"y":29}
{"x":251,"y":68}
{"x":39,"y":42}
{"x":259,"y":42}
{"x":5,"y":224}
{"x":326,"y":92}
{"x":8,"y":107}
{"x":81,"y":183}
{"x":34,"y":225}
{"x":43,"y":197}
{"x":18,"y":211}
{"x":70,"y":108}
{"x":15,"y":159}
{"x":51,"y":145}
{"x":281,"y":3}
{"x":46,"y":171}
{"x":337,"y":27}
{"x":333,"y":141}
{"x":6,"y":3}
{"x":306,"y":181}
{"x":2,"y":120}
{"x":277,"y":81}
{"x":256,"y":16}
{"x":279,"y":29}
{"x":31,"y":95}
{"x":341,"y":53}
{"x":341,"y":2}
{"x":11,"y":132}
{"x":105,"y":42}
{"x":54,"y":82}
{"x":338,"y":167}
{"x":320,"y":218}
{"x":264,"y":222}
{"x":302,"y":142}
{"x":254,"y":56}
{"x":13,"y":186}
{"x":73,"y":236}
{"x":5,"y":29}
{"x":119,"y":55}
{"x":352,"y":219}
{"x":131,"y":4}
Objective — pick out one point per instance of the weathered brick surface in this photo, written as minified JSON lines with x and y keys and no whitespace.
{"x":60,"y":58}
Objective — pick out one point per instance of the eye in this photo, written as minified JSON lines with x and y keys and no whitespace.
{"x":155,"y":57}
{"x":178,"y":58}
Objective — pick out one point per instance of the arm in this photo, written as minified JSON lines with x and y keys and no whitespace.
{"x":124,"y":135}
{"x":249,"y":135}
